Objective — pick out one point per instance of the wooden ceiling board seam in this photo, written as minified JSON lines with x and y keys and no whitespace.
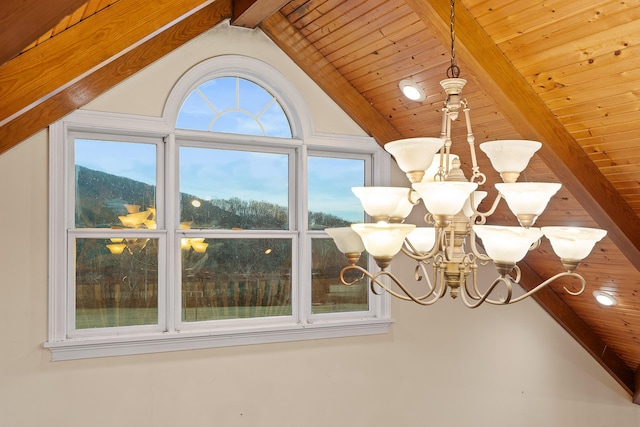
{"x":291,"y":41}
{"x":90,"y":8}
{"x":366,"y":11}
{"x":363,"y":47}
{"x":301,"y":13}
{"x":492,"y":10}
{"x":321,"y":15}
{"x":23,"y":21}
{"x":386,"y":62}
{"x":348,"y":40}
{"x":580,"y":31}
{"x":529,"y":27}
{"x":575,"y":51}
{"x":292,"y":6}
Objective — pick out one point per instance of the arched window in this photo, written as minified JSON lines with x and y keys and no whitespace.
{"x":233,"y":105}
{"x":205,"y":228}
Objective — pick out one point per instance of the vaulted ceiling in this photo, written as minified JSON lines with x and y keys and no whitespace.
{"x":564,"y":73}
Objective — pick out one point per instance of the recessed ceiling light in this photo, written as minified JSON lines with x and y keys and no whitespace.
{"x":412,"y":90}
{"x":605,"y":298}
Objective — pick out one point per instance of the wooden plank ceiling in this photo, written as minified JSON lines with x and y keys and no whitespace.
{"x":564,"y":73}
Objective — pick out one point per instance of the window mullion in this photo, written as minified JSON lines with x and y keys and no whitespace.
{"x":171,"y":210}
{"x":250,"y":263}
{"x":303,"y":277}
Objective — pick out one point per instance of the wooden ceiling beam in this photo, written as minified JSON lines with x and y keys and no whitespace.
{"x":636,"y":393}
{"x":532,"y":119}
{"x":316,"y":66}
{"x":528,"y":114}
{"x":251,"y":13}
{"x":23,"y":21}
{"x":76,"y":92}
{"x":36,"y":74}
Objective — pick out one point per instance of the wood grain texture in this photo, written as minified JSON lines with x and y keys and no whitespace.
{"x":577,"y":101}
{"x":22,"y":21}
{"x":99,"y":39}
{"x":533,"y":120}
{"x":88,"y":88}
{"x":250,"y":13}
{"x":566,"y":73}
{"x":307,"y":57}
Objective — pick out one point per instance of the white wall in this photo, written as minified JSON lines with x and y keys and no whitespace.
{"x":442,"y":366}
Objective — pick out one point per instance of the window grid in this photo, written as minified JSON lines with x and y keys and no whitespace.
{"x":67,"y":342}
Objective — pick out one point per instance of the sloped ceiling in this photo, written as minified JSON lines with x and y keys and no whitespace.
{"x":564,"y":73}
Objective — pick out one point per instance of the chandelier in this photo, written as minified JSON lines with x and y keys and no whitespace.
{"x":445,"y":250}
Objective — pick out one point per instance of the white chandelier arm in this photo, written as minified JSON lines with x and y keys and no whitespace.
{"x":429,"y":219}
{"x":408,"y":295}
{"x":583,"y":285}
{"x":490,"y":212}
{"x":508,"y":281}
{"x":414,"y":253}
{"x":477,"y":295}
{"x":474,"y":248}
{"x":476,"y":176}
{"x":481,"y":298}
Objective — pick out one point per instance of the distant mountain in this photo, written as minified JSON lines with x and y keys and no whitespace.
{"x":102,"y":198}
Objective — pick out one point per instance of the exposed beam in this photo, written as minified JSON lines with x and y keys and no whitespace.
{"x":80,"y":92}
{"x":23,"y":21}
{"x":251,"y":13}
{"x":314,"y":64}
{"x":528,"y":114}
{"x":636,"y":393}
{"x":93,"y":42}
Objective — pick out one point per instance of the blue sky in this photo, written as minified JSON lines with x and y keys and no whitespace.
{"x":223,"y":174}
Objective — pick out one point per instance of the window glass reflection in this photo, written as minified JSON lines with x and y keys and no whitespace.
{"x":229,"y":189}
{"x":331,"y":201}
{"x":329,"y":295}
{"x":116,"y":282}
{"x":115,"y":184}
{"x":235,"y":278}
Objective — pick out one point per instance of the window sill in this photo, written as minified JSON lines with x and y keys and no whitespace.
{"x":85,"y":348}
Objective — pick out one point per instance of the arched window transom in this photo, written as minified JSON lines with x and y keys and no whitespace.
{"x":233,"y":105}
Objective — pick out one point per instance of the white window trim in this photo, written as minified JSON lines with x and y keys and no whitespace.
{"x":303,"y":326}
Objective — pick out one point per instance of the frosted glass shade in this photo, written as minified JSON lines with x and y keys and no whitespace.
{"x":404,"y":208}
{"x":573,"y":243}
{"x":430,"y":173}
{"x":422,"y":238}
{"x":347,"y":240}
{"x":444,"y":198}
{"x":383,"y":240}
{"x":510,"y":155}
{"x":527,"y":198}
{"x":507,"y":244}
{"x":414,"y":154}
{"x":478,"y":196}
{"x":380,"y":202}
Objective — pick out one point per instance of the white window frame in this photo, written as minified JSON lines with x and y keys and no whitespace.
{"x":65,"y":343}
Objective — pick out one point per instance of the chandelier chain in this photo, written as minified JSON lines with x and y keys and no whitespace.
{"x":453,"y":71}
